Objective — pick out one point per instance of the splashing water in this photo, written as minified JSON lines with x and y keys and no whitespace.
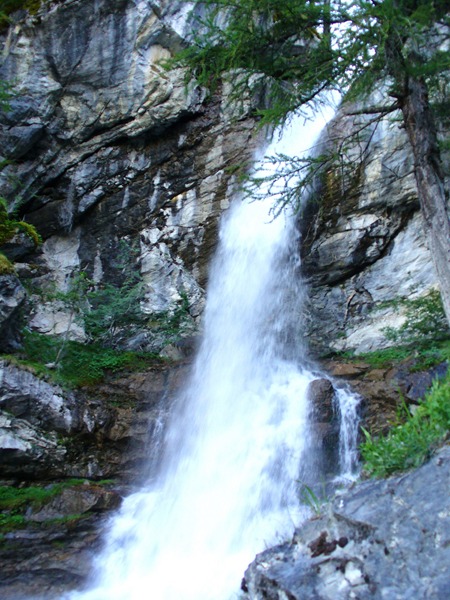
{"x":238,"y":438}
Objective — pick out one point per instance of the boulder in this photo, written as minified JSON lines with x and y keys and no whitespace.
{"x":381,"y":539}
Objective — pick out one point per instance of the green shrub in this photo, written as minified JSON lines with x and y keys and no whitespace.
{"x":79,"y":364}
{"x":424,"y":319}
{"x":9,"y":227}
{"x":409,"y":444}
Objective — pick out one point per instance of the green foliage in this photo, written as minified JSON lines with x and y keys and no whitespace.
{"x":424,"y":320}
{"x":409,"y":444}
{"x":426,"y":354}
{"x":10,"y":522}
{"x":172,"y":324}
{"x":309,"y":498}
{"x":285,"y":54}
{"x":111,"y":308}
{"x":299,"y":48}
{"x":78,"y":364}
{"x":6,"y":266}
{"x":105,"y":310}
{"x":264,"y":42}
{"x":10,"y":226}
{"x":16,"y":501}
{"x":12,"y":498}
{"x":9,"y":6}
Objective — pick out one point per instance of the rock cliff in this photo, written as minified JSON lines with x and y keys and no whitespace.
{"x":363,"y":243}
{"x":122,"y":166}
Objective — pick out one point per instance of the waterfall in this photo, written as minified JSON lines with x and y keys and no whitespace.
{"x":237,"y":444}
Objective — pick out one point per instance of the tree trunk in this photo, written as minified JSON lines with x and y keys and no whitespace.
{"x":421,"y":131}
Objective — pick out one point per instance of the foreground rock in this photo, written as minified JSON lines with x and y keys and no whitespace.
{"x":386,"y":539}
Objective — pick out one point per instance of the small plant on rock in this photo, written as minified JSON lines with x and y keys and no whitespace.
{"x":9,"y":227}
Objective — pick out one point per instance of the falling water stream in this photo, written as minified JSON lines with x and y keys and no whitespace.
{"x":238,"y":441}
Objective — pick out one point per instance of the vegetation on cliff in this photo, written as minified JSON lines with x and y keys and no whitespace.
{"x":410,"y":443}
{"x":9,"y":227}
{"x":420,"y":428}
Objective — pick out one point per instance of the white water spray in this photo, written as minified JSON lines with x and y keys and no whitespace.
{"x":237,"y":443}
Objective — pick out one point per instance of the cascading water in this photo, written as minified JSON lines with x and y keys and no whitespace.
{"x":237,"y":443}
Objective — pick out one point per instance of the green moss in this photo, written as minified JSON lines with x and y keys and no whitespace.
{"x":13,"y":498}
{"x":423,"y":355}
{"x":6,"y":266}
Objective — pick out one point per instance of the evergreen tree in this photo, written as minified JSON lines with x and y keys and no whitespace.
{"x":297,"y":49}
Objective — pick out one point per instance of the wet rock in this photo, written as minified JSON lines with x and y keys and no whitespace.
{"x":12,"y":296}
{"x":320,"y":394}
{"x":76,"y":500}
{"x":45,"y":562}
{"x":324,"y":435}
{"x":385,"y":390}
{"x":382,"y":539}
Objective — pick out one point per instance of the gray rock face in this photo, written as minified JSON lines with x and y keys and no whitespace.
{"x":12,"y":296}
{"x":363,"y":243}
{"x":48,"y":432}
{"x":121,"y":166}
{"x":382,"y":540}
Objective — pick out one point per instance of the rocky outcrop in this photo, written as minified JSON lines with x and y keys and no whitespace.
{"x":45,"y":561}
{"x":47,"y":432}
{"x":382,"y":539}
{"x":363,"y":242}
{"x":123,"y":168}
{"x":385,"y":391}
